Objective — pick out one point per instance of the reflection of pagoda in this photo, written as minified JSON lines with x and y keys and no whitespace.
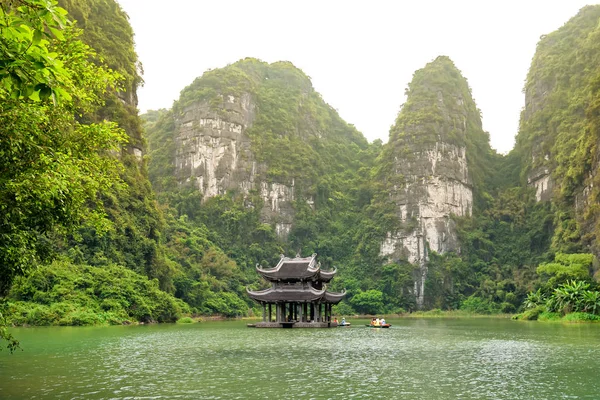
{"x":299,"y":293}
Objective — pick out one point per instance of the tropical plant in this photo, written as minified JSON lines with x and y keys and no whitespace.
{"x":568,"y":296}
{"x":534,"y":299}
{"x":591,"y":301}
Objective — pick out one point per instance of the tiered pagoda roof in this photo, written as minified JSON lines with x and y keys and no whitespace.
{"x":296,"y":269}
{"x":294,"y":280}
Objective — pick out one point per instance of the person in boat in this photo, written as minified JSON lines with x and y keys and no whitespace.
{"x":335,"y":320}
{"x":373,"y":321}
{"x":382,"y":321}
{"x":377,"y":322}
{"x":343,"y":320}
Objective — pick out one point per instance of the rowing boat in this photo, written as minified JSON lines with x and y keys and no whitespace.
{"x":379,"y":326}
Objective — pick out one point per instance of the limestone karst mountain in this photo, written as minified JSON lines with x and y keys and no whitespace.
{"x":427,"y":166}
{"x":559,"y":133}
{"x":257,"y":129}
{"x":134,"y":241}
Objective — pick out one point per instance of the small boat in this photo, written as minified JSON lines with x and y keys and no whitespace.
{"x":379,"y":326}
{"x":345,"y":325}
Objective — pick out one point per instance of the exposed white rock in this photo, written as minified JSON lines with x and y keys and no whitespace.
{"x":410,"y":245}
{"x":437,"y":185}
{"x":138,"y":153}
{"x":541,"y":180}
{"x":541,"y":186}
{"x":213,"y":151}
{"x":283,"y":229}
{"x":274,"y":194}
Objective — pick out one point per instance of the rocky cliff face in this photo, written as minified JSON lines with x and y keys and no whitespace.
{"x":257,"y":129}
{"x":427,"y":171}
{"x":213,"y":149}
{"x":213,"y":153}
{"x":538,"y":159}
{"x":558,"y":136}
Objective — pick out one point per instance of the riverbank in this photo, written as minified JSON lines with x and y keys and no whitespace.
{"x":536,"y":314}
{"x":436,"y":313}
{"x":65,"y":294}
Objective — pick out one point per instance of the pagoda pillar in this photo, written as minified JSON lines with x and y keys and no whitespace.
{"x":270,"y":314}
{"x":264,"y":312}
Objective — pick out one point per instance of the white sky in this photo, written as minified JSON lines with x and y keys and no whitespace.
{"x":360,"y":54}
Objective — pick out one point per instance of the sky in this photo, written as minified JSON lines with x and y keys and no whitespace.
{"x":360,"y":55}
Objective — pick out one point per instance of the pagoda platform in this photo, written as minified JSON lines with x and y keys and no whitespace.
{"x":298,"y":296}
{"x":294,"y":325}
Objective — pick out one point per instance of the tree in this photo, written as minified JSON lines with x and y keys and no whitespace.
{"x":369,"y":302}
{"x":52,"y":166}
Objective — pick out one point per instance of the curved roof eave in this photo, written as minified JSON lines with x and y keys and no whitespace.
{"x":326,"y":276}
{"x":297,"y":268}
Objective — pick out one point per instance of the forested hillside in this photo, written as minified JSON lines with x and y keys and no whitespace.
{"x":76,"y":195}
{"x":288,"y":175}
{"x":109,"y":217}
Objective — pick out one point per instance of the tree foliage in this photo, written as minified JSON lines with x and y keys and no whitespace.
{"x":53,"y":165}
{"x":63,"y":293}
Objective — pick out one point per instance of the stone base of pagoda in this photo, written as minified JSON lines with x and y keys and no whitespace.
{"x":294,"y":325}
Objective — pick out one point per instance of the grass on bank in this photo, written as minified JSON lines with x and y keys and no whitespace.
{"x":541,"y":314}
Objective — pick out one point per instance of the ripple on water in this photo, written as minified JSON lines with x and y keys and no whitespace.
{"x":413,"y":360}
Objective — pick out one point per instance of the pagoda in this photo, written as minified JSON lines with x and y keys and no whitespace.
{"x":299,"y":294}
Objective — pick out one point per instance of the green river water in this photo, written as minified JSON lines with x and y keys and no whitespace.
{"x":415,"y":359}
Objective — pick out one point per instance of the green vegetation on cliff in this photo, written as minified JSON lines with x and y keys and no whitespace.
{"x":567,"y":291}
{"x":440,"y":109}
{"x":560,"y":126}
{"x":76,"y":188}
{"x":56,"y":166}
{"x":299,"y":139}
{"x":72,"y":183}
{"x":135,"y":238}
